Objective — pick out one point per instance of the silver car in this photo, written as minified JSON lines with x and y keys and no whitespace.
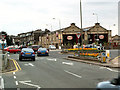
{"x":109,"y":85}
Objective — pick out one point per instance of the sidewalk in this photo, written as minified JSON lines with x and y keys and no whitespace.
{"x":115,"y":63}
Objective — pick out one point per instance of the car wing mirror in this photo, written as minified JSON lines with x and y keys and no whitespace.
{"x":115,"y":81}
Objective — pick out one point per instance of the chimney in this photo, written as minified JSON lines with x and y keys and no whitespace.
{"x":97,"y":24}
{"x":72,"y":24}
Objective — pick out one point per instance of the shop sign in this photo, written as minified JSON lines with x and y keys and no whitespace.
{"x":101,"y":36}
{"x":69,"y":37}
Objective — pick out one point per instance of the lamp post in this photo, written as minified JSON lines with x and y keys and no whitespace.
{"x":81,"y":28}
{"x":60,"y":29}
{"x":97,"y":28}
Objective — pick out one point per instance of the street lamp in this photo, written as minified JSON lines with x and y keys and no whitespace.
{"x":60,"y":29}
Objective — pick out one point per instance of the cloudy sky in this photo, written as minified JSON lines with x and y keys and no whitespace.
{"x":18,"y":16}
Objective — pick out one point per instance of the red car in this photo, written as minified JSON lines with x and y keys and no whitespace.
{"x":12,"y":50}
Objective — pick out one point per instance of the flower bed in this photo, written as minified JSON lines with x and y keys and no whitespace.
{"x":89,"y":54}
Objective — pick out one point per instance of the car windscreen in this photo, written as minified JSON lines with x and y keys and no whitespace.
{"x":27,"y":50}
{"x":43,"y":49}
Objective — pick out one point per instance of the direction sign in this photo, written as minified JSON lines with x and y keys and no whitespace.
{"x":78,"y":35}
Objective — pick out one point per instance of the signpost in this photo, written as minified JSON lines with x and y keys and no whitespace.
{"x":78,"y":36}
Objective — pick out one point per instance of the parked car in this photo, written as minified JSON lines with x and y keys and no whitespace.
{"x":27,"y":53}
{"x":109,"y":85}
{"x":35,"y":47}
{"x":94,"y":46}
{"x":42,"y":51}
{"x":22,"y":46}
{"x":12,"y":50}
{"x":52,"y":47}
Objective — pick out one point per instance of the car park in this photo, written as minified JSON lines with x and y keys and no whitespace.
{"x":27,"y":53}
{"x":114,"y":84}
{"x":12,"y":50}
{"x":42,"y":52}
{"x":52,"y":47}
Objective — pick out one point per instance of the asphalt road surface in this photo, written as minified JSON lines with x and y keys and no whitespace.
{"x":54,"y":71}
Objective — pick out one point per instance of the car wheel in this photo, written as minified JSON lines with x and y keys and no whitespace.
{"x":20,"y":59}
{"x":33,"y":59}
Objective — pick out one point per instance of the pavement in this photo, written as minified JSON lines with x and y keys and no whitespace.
{"x":114,"y":63}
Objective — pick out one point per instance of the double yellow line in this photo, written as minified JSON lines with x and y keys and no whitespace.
{"x":17,"y":66}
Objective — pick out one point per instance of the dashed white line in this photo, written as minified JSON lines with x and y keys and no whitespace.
{"x":68,"y":63}
{"x":73,"y":74}
{"x":31,"y":64}
{"x":14,"y":73}
{"x":2,"y":83}
{"x":14,"y":77}
{"x":16,"y":82}
{"x":52,"y":59}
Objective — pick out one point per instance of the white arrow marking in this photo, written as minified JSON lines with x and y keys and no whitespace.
{"x":109,"y":69}
{"x":29,"y":64}
{"x":28,"y":83}
{"x":73,"y":74}
{"x":68,"y":63}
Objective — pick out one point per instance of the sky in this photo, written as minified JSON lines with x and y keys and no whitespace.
{"x":20,"y":16}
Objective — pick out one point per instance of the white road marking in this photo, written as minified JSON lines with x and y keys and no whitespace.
{"x":28,"y":83}
{"x":14,"y":77}
{"x":109,"y":69}
{"x":68,"y":63}
{"x":16,"y":82}
{"x":14,"y":73}
{"x":52,"y":59}
{"x":2,"y":83}
{"x":73,"y":74}
{"x":29,"y":64}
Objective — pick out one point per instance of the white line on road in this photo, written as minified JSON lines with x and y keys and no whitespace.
{"x":29,"y":64}
{"x":28,"y":83}
{"x":52,"y":59}
{"x":16,"y":82}
{"x":109,"y":69}
{"x":14,"y":77}
{"x":73,"y":74}
{"x":2,"y":83}
{"x":14,"y":73}
{"x":68,"y":63}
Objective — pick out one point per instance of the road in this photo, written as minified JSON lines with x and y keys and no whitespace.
{"x":54,"y":71}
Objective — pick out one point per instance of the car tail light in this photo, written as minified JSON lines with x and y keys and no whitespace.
{"x":33,"y":52}
{"x":46,"y":51}
{"x":39,"y":51}
{"x":22,"y":53}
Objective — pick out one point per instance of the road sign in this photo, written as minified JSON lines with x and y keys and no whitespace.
{"x":78,"y":35}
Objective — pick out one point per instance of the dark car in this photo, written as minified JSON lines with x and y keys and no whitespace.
{"x":42,"y":52}
{"x":35,"y":47}
{"x":22,"y":46}
{"x":27,"y":53}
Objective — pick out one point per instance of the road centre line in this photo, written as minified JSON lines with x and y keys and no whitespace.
{"x":68,"y":63}
{"x":73,"y":74}
{"x":14,"y":73}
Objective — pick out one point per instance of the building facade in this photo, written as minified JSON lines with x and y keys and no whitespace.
{"x":68,"y":36}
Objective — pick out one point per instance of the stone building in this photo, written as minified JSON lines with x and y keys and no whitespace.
{"x":67,"y":36}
